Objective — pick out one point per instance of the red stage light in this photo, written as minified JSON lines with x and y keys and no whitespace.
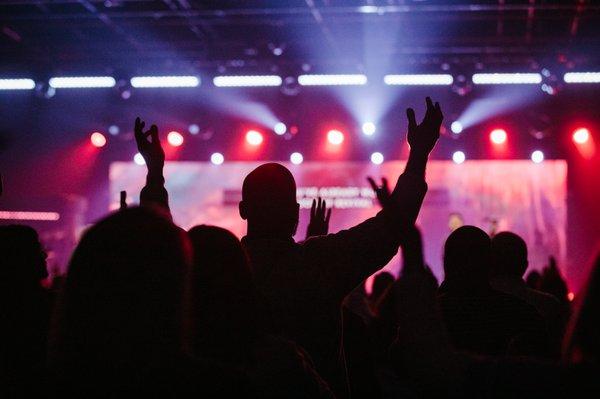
{"x":581,"y":135}
{"x":175,"y":138}
{"x":98,"y":140}
{"x":335,"y":137}
{"x":254,"y":138}
{"x":498,"y":136}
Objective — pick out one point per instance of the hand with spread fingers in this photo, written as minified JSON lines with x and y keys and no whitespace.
{"x":382,"y":192}
{"x":149,"y":146}
{"x":422,"y":137}
{"x":319,"y":219}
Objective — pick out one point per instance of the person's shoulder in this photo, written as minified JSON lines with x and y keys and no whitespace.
{"x":544,"y":297}
{"x":545,"y":302}
{"x":514,"y":303}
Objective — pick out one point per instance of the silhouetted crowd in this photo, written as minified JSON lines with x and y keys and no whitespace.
{"x":147,"y":308}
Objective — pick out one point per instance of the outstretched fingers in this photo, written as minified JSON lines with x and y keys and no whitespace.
{"x":412,"y":121}
{"x":373,"y":184}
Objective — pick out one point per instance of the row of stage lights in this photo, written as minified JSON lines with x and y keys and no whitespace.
{"x":498,"y":137}
{"x":72,"y":82}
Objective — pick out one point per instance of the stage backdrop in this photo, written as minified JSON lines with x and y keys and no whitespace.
{"x":527,"y":198}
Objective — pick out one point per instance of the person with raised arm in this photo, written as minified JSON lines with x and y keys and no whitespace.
{"x":305,"y":283}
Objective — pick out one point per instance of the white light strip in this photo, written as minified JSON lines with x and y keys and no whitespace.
{"x":27,"y":215}
{"x":582,"y":77}
{"x":17,"y":84}
{"x":247,"y":81}
{"x":506,"y":78}
{"x":332,"y":80}
{"x":418,"y":80}
{"x":81,"y":82}
{"x":165,"y":81}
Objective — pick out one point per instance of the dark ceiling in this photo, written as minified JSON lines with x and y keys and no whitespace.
{"x":129,"y":36}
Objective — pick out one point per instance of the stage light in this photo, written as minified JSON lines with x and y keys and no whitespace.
{"x":419,"y":80}
{"x":581,"y":135}
{"x":458,"y":157}
{"x":81,"y":82}
{"x":17,"y":84}
{"x":498,"y":136}
{"x":247,"y":81}
{"x":98,"y":140}
{"x":368,"y":128}
{"x":506,"y":78}
{"x":139,"y":159}
{"x":113,"y":130}
{"x":377,"y":158}
{"x":582,"y":77}
{"x":456,"y":127}
{"x":537,"y":156}
{"x":175,"y":138}
{"x":335,"y":137}
{"x":29,"y":215}
{"x":296,"y":158}
{"x":254,"y":138}
{"x":280,"y":128}
{"x":194,"y":129}
{"x":217,"y":158}
{"x":332,"y":80}
{"x":164,"y":81}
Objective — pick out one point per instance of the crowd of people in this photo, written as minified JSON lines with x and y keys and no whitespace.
{"x":149,"y":308}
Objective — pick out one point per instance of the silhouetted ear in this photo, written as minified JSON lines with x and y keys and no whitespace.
{"x":243,"y":211}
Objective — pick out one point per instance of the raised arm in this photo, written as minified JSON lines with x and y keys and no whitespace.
{"x":148,"y":144}
{"x":358,"y":252}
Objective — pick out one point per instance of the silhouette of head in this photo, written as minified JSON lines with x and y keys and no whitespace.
{"x":225,"y":301}
{"x":467,"y":255}
{"x":123,"y":301}
{"x":509,"y":255}
{"x":23,"y":257}
{"x":269,"y":202}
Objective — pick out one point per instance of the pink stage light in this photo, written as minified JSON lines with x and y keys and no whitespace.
{"x":581,"y":135}
{"x":254,"y":138}
{"x":335,"y":137}
{"x":98,"y":140}
{"x":175,"y":138}
{"x":498,"y":136}
{"x":28,"y":215}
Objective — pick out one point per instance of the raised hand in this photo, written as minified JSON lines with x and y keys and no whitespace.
{"x":151,"y":150}
{"x":123,"y":200}
{"x":422,"y":137}
{"x":319,"y":219}
{"x":382,"y":192}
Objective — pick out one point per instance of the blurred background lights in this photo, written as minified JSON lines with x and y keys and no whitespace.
{"x":368,"y":128}
{"x":296,"y":158}
{"x":537,"y":156}
{"x":458,"y":157}
{"x":280,"y":128}
{"x":456,"y":127}
{"x":98,"y":140}
{"x":217,"y":158}
{"x":335,"y":137}
{"x":377,"y":158}
{"x":175,"y":138}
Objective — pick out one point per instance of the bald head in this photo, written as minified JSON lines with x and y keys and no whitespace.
{"x":269,"y":201}
{"x":509,"y":255}
{"x":467,"y":254}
